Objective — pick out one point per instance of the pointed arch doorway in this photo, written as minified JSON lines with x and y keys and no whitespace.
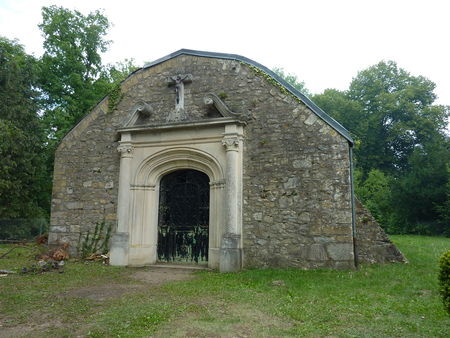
{"x":183,"y":217}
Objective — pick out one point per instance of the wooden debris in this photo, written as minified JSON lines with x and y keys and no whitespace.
{"x":57,"y":254}
{"x":98,"y":257}
{"x":41,"y":239}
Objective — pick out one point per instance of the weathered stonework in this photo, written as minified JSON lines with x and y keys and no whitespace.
{"x":294,"y":206}
{"x":372,"y":245}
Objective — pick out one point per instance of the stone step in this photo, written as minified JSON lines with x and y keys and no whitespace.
{"x":180,"y":266}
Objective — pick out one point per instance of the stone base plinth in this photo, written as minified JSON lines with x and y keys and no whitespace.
{"x":119,"y":249}
{"x":230,"y":253}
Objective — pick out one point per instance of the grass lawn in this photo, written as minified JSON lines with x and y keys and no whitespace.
{"x":90,"y":299}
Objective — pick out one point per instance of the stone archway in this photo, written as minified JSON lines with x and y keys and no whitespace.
{"x":147,"y":155}
{"x":144,"y":193}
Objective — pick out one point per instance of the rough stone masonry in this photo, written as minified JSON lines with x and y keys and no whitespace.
{"x":292,"y":166}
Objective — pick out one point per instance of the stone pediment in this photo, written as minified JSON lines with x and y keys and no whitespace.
{"x":213,"y":107}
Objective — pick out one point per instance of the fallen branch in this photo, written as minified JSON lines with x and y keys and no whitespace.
{"x":14,"y":247}
{"x":16,"y":241}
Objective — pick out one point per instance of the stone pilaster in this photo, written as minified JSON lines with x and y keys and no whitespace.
{"x":231,"y":144}
{"x":231,"y":251}
{"x":126,"y":151}
{"x":120,"y":240}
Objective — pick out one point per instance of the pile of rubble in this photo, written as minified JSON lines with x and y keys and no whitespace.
{"x":51,"y":260}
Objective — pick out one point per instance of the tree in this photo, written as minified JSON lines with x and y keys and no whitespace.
{"x":397,"y":114}
{"x":375,"y":193}
{"x":73,"y":78}
{"x":401,"y":149}
{"x":292,"y":80}
{"x":40,"y":100}
{"x":421,"y":193}
{"x":404,"y":137}
{"x":344,"y":110}
{"x":444,"y":211}
{"x":23,"y":186}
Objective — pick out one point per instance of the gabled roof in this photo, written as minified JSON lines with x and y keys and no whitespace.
{"x":319,"y":112}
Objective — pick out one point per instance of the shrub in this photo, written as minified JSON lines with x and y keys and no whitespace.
{"x":444,"y":279}
{"x":98,"y":242}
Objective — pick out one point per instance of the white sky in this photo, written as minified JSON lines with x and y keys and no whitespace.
{"x":324,"y":42}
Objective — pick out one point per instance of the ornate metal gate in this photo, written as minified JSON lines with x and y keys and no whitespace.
{"x":183,"y":217}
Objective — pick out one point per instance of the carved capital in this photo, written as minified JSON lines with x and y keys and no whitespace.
{"x":125,"y":150}
{"x":218,"y":184}
{"x":231,"y":143}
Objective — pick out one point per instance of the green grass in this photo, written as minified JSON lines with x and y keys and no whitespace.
{"x":378,"y":300}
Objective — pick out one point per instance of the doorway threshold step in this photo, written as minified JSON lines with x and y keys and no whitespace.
{"x":180,"y":266}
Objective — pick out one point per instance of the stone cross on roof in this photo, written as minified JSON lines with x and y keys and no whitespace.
{"x":178,"y":81}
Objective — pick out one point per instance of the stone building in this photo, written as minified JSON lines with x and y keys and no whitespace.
{"x":211,"y":157}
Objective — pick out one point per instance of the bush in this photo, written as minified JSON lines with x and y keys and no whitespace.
{"x":95,"y":243}
{"x":444,"y":279}
{"x":375,"y":193}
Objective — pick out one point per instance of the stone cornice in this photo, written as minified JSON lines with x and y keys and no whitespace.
{"x":183,"y":124}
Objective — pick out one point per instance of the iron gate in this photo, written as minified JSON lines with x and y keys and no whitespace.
{"x":183,"y":222}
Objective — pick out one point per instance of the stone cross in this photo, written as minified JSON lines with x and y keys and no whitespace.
{"x":178,"y":81}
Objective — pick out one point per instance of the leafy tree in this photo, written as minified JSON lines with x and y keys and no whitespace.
{"x":421,"y":193}
{"x":444,"y":211}
{"x":401,"y":150}
{"x":23,"y":184}
{"x":375,"y":193}
{"x":404,"y":137}
{"x":344,"y":110}
{"x":40,"y":100}
{"x":398,"y":116}
{"x":292,"y":80}
{"x":73,"y":78}
{"x":119,"y":71}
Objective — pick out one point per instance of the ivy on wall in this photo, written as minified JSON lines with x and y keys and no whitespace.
{"x":271,"y":80}
{"x":115,"y":96}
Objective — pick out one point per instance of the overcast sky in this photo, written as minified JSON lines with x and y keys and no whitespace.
{"x":324,"y":42}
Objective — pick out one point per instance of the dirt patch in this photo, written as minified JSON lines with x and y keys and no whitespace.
{"x":103,"y":292}
{"x":36,"y":327}
{"x":143,"y":278}
{"x":148,"y":276}
{"x":161,"y":275}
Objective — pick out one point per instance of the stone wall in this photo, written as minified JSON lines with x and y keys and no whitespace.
{"x":297,"y":209}
{"x":297,"y":194}
{"x":85,"y":180}
{"x":372,"y":244}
